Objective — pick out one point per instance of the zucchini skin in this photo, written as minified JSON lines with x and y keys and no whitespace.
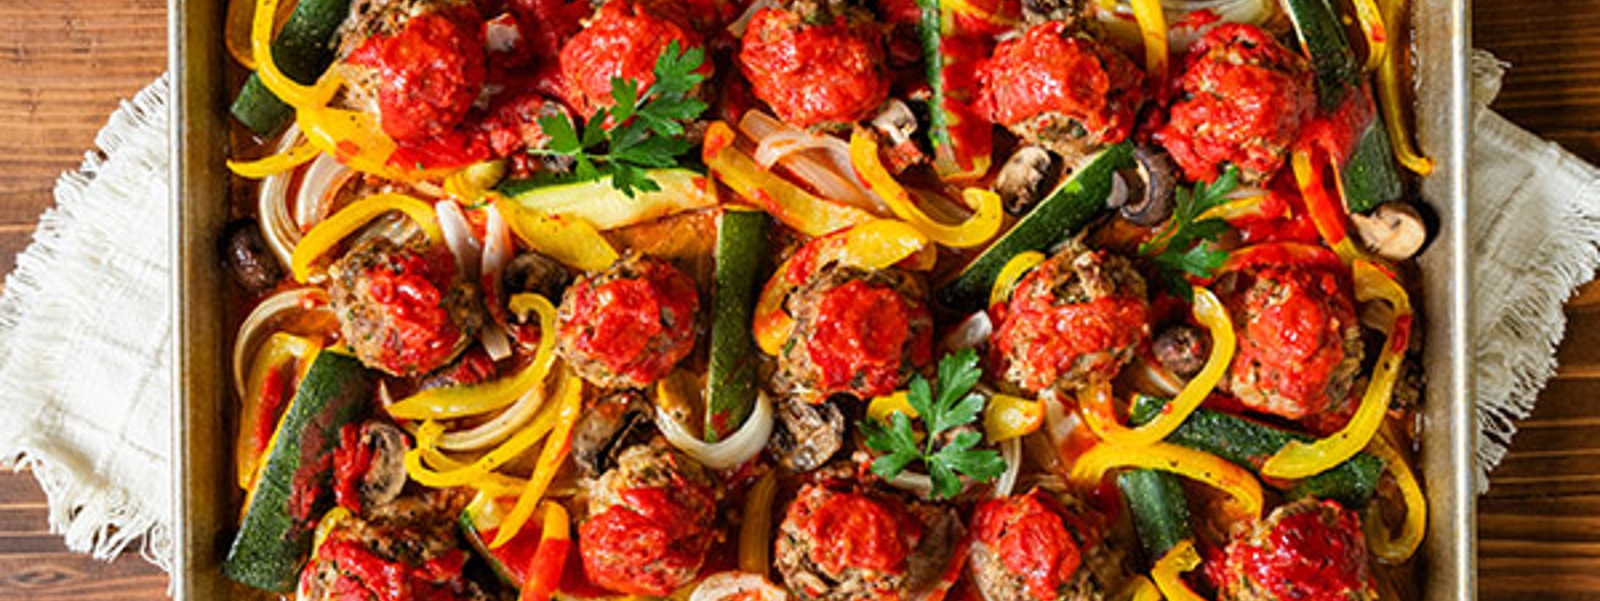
{"x":272,"y":544}
{"x":1064,"y":211}
{"x":731,"y":380}
{"x":1249,"y":443}
{"x":303,"y":49}
{"x":1159,"y":508}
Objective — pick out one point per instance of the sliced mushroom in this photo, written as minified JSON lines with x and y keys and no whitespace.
{"x":896,"y":122}
{"x":1394,"y":230}
{"x":1143,"y":194}
{"x":248,"y":258}
{"x":1026,"y":178}
{"x":1182,"y":350}
{"x":534,"y":272}
{"x":386,"y":475}
{"x":806,"y":435}
{"x":617,"y":421}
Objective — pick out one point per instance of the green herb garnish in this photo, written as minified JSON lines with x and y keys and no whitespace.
{"x":1185,"y":246}
{"x":952,"y":405}
{"x":646,"y":129}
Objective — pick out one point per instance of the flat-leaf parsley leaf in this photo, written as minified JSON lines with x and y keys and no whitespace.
{"x":947,"y":406}
{"x":1184,"y":246}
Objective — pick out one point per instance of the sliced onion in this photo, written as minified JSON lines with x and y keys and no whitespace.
{"x":1011,"y":450}
{"x":283,"y":222}
{"x":972,"y":332}
{"x":1121,"y":24}
{"x":267,"y":318}
{"x":320,"y":186}
{"x":497,"y":253}
{"x":819,"y":161}
{"x":730,"y":452}
{"x":459,"y":239}
{"x":731,"y":586}
{"x":1058,"y":423}
{"x":502,"y":426}
{"x":914,"y":482}
{"x":738,"y":25}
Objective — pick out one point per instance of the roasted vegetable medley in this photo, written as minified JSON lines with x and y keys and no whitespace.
{"x":825,"y":299}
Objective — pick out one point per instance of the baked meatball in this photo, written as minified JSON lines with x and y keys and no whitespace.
{"x":1308,"y":550}
{"x":856,"y":332}
{"x":1240,"y":101}
{"x":1031,"y":547}
{"x":651,"y":521}
{"x":627,"y":326}
{"x":1076,"y":318}
{"x":1060,"y":90}
{"x":1299,"y":341}
{"x":623,"y":40}
{"x":418,"y":64}
{"x":848,"y":545}
{"x":404,"y":550}
{"x":815,"y":65}
{"x":402,"y":306}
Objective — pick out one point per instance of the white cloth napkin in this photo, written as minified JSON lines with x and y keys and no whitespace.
{"x":85,"y":332}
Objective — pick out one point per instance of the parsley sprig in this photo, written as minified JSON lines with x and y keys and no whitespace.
{"x":646,"y":130}
{"x":1185,"y":245}
{"x":951,"y":404}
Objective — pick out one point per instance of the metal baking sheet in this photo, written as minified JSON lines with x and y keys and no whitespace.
{"x":204,"y":494}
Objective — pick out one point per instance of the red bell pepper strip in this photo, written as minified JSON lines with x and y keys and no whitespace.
{"x":555,"y":543}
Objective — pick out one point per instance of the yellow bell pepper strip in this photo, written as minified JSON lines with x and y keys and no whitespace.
{"x":1153,"y":28}
{"x":1138,"y":588}
{"x":756,"y":527}
{"x":872,"y":245}
{"x":570,"y":240}
{"x":493,"y":484}
{"x":977,"y":229}
{"x":286,"y":89}
{"x":332,"y":230}
{"x":1012,"y":273}
{"x":1387,"y":547}
{"x":884,"y":406}
{"x":1300,"y":460}
{"x":1372,"y":27}
{"x":555,"y":543}
{"x":469,"y":474}
{"x":475,"y":182}
{"x":550,"y":459}
{"x":1096,"y":400}
{"x":268,"y":378}
{"x":451,"y":402}
{"x":1239,"y":208}
{"x":1391,"y":98}
{"x":1199,"y":466}
{"x":790,"y":204}
{"x":966,"y":7}
{"x":302,"y":152}
{"x":1168,"y":572}
{"x":1326,"y":212}
{"x":1006,"y":417}
{"x":330,"y":520}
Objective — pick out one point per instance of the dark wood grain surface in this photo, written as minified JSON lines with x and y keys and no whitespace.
{"x":64,"y":65}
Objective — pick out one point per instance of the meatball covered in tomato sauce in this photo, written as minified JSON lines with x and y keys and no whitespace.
{"x":624,"y":39}
{"x":1077,"y":318}
{"x":1032,"y":547}
{"x":404,"y":550}
{"x":1308,"y":550}
{"x":1299,"y":340}
{"x":651,"y":521}
{"x":1058,"y":89}
{"x":627,"y":326}
{"x":847,"y":545}
{"x":418,"y":64}
{"x":857,"y":332}
{"x":815,"y":65}
{"x":1240,"y":101}
{"x":402,"y":306}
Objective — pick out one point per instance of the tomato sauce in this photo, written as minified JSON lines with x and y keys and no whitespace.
{"x":1308,"y":556}
{"x":409,"y":289}
{"x":863,"y":336}
{"x":1049,"y":70}
{"x":850,"y":530}
{"x":651,"y":543}
{"x":637,"y":327}
{"x":624,"y":40}
{"x":1052,"y":338}
{"x":429,"y":73}
{"x":1029,"y":535}
{"x":364,"y":575}
{"x":815,"y":73}
{"x":1292,"y":337}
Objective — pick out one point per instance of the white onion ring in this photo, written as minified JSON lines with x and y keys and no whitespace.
{"x":282,"y":225}
{"x":1057,"y":422}
{"x":459,"y":239}
{"x":730,"y":452}
{"x":1011,"y":450}
{"x":723,"y":586}
{"x":497,"y":253}
{"x":502,"y":426}
{"x":319,"y":188}
{"x":827,"y":170}
{"x":261,"y":323}
{"x":738,"y":25}
{"x":972,"y":332}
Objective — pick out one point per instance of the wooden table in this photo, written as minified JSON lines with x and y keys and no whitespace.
{"x":65,"y":63}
